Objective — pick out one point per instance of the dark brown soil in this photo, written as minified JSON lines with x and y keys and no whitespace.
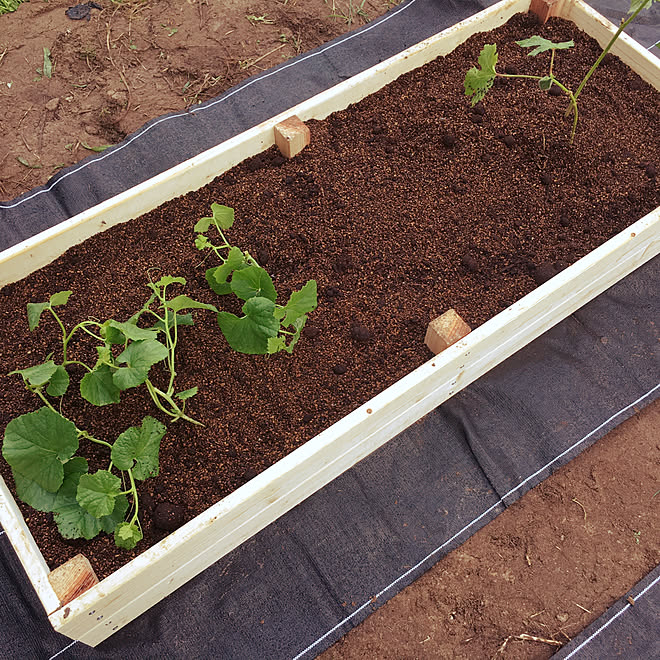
{"x":379,"y":213}
{"x":520,"y":184}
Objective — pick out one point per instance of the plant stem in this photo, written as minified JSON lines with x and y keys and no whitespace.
{"x":175,"y":413}
{"x":606,"y":50}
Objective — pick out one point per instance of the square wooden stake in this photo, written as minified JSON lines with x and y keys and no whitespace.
{"x":544,"y":9}
{"x":446,"y":330}
{"x":72,"y":578}
{"x":291,"y":136}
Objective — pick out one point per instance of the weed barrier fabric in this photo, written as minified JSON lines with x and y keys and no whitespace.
{"x":289,"y":591}
{"x":627,"y":630}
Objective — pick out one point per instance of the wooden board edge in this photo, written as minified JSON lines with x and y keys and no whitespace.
{"x":34,"y":253}
{"x":363,"y":432}
{"x":26,"y":549}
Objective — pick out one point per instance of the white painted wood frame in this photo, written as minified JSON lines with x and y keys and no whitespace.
{"x":147,"y":579}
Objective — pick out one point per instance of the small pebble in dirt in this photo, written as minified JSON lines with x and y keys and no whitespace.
{"x":478,"y":109}
{"x":509,"y":140}
{"x":476,"y":119}
{"x":311,"y":332}
{"x":278,"y":160}
{"x":255,"y":164}
{"x":342,"y":264}
{"x":307,"y":418}
{"x":546,"y":179}
{"x":448,"y":140}
{"x":360,"y":334}
{"x":511,"y":70}
{"x":231,"y":452}
{"x":263,"y":256}
{"x":564,"y":220}
{"x":168,"y":516}
{"x":331,"y":293}
{"x":554,"y":91}
{"x":470,"y":262}
{"x":651,"y":171}
{"x":608,"y":59}
{"x":547,"y":271}
{"x":340,"y":369}
{"x":249,"y":474}
{"x":389,"y":149}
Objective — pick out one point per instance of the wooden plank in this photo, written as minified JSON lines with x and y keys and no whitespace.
{"x":72,"y":578}
{"x":445,"y":330}
{"x":150,"y":577}
{"x":30,"y":556}
{"x":291,"y":136}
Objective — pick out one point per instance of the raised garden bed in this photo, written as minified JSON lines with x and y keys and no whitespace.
{"x":156,"y":572}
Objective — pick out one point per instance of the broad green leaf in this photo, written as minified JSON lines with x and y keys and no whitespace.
{"x":250,"y":333}
{"x":184,"y":302}
{"x":109,"y":523}
{"x":48,"y":63}
{"x":105,"y":354}
{"x":137,"y":448}
{"x":37,"y":443}
{"x":131,"y":331}
{"x":40,"y":374}
{"x":542,"y":45}
{"x":201,"y":242}
{"x":34,"y":312}
{"x":276,"y":344}
{"x":37,"y":497}
{"x":139,"y":357}
{"x":98,"y":388}
{"x":127,"y":536}
{"x":166,"y":280}
{"x":479,"y":80}
{"x":181,"y":319}
{"x":60,"y":298}
{"x":222,"y":289}
{"x":298,"y":325}
{"x":545,"y":83}
{"x":111,"y":334}
{"x":59,"y":382}
{"x":187,"y":394}
{"x":300,"y":303}
{"x":222,"y":215}
{"x":253,"y":282}
{"x":217,"y":277}
{"x":72,"y":520}
{"x":97,"y":492}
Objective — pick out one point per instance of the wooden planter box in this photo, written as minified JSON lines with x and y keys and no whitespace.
{"x":121,"y":597}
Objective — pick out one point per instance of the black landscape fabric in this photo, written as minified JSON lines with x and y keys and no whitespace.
{"x":296,"y":587}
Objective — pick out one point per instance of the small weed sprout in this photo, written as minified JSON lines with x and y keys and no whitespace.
{"x":479,"y":80}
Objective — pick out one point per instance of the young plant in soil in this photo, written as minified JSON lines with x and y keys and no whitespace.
{"x":479,"y":80}
{"x":40,"y":447}
{"x":265,"y":326}
{"x":115,"y":371}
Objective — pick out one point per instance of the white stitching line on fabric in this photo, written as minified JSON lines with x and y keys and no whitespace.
{"x":66,"y":648}
{"x":477,"y":519}
{"x":386,"y":18}
{"x":614,"y":618}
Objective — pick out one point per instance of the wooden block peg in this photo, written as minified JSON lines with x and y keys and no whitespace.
{"x":72,"y":578}
{"x":291,"y":136}
{"x":446,"y":330}
{"x":544,"y":9}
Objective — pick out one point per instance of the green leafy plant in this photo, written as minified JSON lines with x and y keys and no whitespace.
{"x":41,"y":449}
{"x":265,"y":326}
{"x":126,"y":352}
{"x":479,"y":80}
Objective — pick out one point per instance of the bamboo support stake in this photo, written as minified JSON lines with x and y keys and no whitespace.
{"x":291,"y":136}
{"x":446,"y":330}
{"x":72,"y":578}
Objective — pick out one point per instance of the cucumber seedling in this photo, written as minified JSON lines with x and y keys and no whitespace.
{"x":265,"y":326}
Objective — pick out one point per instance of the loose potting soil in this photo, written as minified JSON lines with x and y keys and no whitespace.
{"x":501,"y":483}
